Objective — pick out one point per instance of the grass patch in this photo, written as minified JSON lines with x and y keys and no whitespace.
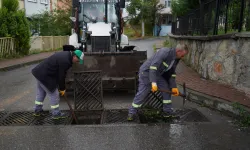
{"x":134,"y":32}
{"x":243,"y":118}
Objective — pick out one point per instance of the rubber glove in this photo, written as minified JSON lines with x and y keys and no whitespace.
{"x":154,"y":87}
{"x":176,"y":91}
{"x":62,"y":92}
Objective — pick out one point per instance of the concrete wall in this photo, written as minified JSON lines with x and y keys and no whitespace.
{"x":35,"y":7}
{"x":48,"y":42}
{"x":222,"y":58}
{"x":21,"y":4}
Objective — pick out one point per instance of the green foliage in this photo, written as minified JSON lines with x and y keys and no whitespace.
{"x":14,"y":24}
{"x":56,"y":23}
{"x":11,"y":5}
{"x":244,"y":116}
{"x":181,"y":7}
{"x":146,"y":10}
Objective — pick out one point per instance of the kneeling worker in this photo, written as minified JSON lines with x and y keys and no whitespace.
{"x":159,"y":71}
{"x":50,"y":75}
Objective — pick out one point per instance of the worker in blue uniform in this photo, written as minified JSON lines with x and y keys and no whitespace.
{"x":159,"y":72}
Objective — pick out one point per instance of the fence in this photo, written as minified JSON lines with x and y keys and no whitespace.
{"x":7,"y":47}
{"x":214,"y":17}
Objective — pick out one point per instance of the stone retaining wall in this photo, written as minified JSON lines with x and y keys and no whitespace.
{"x":224,"y":58}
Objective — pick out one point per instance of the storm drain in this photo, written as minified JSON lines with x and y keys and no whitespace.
{"x":194,"y":116}
{"x":117,"y":117}
{"x":90,"y":117}
{"x":2,"y":114}
{"x":17,"y":119}
{"x":46,"y":119}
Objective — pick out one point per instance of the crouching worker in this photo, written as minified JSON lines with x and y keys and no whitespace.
{"x":159,"y":72}
{"x":50,"y":75}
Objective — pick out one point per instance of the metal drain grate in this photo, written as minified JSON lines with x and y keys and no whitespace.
{"x":153,"y":100}
{"x":47,"y":120}
{"x":17,"y":119}
{"x":2,"y":115}
{"x":88,"y":90}
{"x":117,"y":116}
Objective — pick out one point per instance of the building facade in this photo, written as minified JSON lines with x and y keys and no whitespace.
{"x":166,"y":19}
{"x":36,"y":6}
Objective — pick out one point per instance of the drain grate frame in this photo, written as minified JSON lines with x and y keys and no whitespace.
{"x":88,"y":93}
{"x":117,"y":116}
{"x":17,"y":119}
{"x":47,"y":120}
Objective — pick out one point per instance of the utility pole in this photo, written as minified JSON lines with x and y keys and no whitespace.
{"x":142,"y":24}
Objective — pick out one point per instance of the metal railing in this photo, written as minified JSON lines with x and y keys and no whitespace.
{"x":215,"y":17}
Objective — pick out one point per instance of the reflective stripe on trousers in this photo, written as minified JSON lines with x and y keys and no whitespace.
{"x":42,"y":91}
{"x":143,"y":91}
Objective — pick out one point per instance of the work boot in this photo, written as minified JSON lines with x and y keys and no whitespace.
{"x":130,"y":117}
{"x":59,"y":115}
{"x":39,"y":113}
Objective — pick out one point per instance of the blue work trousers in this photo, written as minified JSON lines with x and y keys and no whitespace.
{"x":54,"y":97}
{"x":144,"y":89}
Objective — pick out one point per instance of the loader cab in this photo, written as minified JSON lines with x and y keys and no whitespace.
{"x":99,"y":25}
{"x":94,"y":11}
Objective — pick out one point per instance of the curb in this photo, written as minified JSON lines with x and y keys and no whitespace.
{"x":215,"y":103}
{"x":8,"y":68}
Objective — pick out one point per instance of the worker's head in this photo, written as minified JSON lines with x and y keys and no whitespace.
{"x":181,"y":50}
{"x":78,"y":57}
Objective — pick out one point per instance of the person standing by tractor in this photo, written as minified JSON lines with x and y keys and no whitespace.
{"x":159,"y":71}
{"x":50,"y":75}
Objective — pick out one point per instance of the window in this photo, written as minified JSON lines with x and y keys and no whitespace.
{"x":167,"y":19}
{"x":167,"y":3}
{"x":32,"y":1}
{"x":44,"y":1}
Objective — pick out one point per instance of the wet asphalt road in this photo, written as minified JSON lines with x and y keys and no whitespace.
{"x":17,"y":93}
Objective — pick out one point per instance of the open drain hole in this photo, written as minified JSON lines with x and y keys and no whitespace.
{"x":88,"y":117}
{"x":182,"y":115}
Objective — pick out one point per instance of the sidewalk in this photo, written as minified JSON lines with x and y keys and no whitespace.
{"x":19,"y":62}
{"x":184,"y":74}
{"x":208,"y":87}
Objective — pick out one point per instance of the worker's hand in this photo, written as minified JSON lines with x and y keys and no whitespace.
{"x":154,"y":87}
{"x":175,"y":91}
{"x":62,"y":92}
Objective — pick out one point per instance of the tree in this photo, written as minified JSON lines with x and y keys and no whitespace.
{"x":55,"y":23}
{"x":181,"y":7}
{"x":14,"y":24}
{"x":146,"y":10}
